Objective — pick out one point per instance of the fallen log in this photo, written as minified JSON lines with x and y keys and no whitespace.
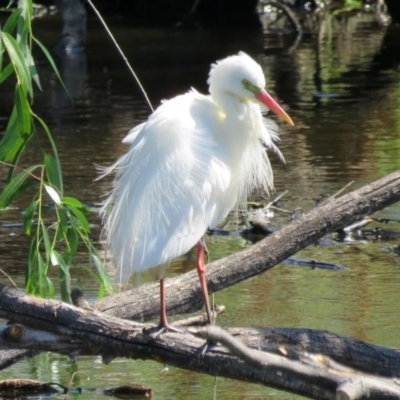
{"x":312,"y":363}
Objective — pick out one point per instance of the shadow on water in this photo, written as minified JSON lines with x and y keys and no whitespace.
{"x":340,"y":84}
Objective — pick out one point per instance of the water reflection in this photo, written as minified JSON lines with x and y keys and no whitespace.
{"x":341,"y":85}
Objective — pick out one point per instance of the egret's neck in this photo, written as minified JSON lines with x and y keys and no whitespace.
{"x":228,"y":104}
{"x":241,"y":122}
{"x":242,"y":119}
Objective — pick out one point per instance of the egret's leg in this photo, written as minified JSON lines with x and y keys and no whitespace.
{"x":163,"y":311}
{"x":201,"y":270}
{"x":164,"y":325}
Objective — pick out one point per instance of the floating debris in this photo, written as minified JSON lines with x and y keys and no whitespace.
{"x":127,"y":391}
{"x":314,"y":264}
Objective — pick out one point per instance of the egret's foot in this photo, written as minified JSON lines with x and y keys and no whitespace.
{"x":165,"y":328}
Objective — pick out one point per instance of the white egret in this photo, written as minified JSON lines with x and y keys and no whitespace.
{"x":187,"y":166}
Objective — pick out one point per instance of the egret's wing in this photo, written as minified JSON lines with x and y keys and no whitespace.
{"x":163,"y":198}
{"x":133,"y":133}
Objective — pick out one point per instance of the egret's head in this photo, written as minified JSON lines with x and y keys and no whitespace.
{"x":241,"y":77}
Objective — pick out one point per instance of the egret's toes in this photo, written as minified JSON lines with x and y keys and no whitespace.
{"x":165,"y":328}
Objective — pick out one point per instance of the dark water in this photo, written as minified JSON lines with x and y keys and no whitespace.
{"x":341,"y":86}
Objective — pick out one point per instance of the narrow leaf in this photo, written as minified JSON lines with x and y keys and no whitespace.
{"x":65,"y":279}
{"x":56,"y":259}
{"x":73,"y":241}
{"x":42,"y":275}
{"x":54,"y":147}
{"x":29,"y":215}
{"x":12,"y":21}
{"x":14,"y":162}
{"x":47,"y":244}
{"x":23,"y":110}
{"x":12,"y":140}
{"x":12,"y":189}
{"x":29,"y":284}
{"x":63,"y":223}
{"x":18,"y":60}
{"x":1,"y":54}
{"x":6,"y":72}
{"x":32,"y":67}
{"x":72,"y":201}
{"x":53,"y":194}
{"x":53,"y":64}
{"x":81,"y":218}
{"x":53,"y":171}
{"x":50,"y":285}
{"x":104,"y":278}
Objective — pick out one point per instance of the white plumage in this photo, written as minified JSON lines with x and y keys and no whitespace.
{"x":187,"y":166}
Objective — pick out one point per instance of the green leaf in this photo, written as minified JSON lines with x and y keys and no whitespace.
{"x":50,"y":285}
{"x":1,"y":54}
{"x":55,"y":196}
{"x":81,"y":218}
{"x":56,"y":259}
{"x":53,"y":171}
{"x":63,"y":223}
{"x":12,"y":21}
{"x":53,"y":146}
{"x":23,"y":110}
{"x":53,"y":64}
{"x":24,"y":23}
{"x":47,"y":244}
{"x":6,"y":72}
{"x":12,"y":141}
{"x":73,"y":241}
{"x":18,"y":60}
{"x":72,"y":202}
{"x":14,"y":162}
{"x":42,"y":275}
{"x":35,"y":75}
{"x":28,"y":216}
{"x":102,"y":291}
{"x":105,"y":279}
{"x":65,"y":277}
{"x":31,"y":265}
{"x":31,"y":63}
{"x":15,"y":186}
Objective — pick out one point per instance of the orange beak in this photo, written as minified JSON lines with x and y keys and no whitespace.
{"x":266,"y":99}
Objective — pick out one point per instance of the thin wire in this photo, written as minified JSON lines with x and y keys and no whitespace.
{"x":122,"y":54}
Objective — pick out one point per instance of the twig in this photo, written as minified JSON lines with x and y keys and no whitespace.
{"x":276,"y":199}
{"x":337,"y":193}
{"x":122,"y":53}
{"x":199,"y":320}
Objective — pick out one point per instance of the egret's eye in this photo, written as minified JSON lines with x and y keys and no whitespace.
{"x":246,"y":83}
